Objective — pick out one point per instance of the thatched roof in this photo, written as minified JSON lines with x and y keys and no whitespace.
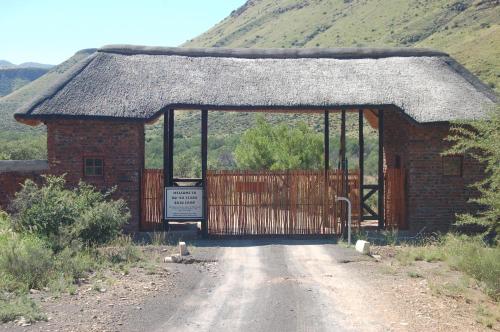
{"x":135,"y":82}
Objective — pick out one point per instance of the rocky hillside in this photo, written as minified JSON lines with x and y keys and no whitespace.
{"x":467,"y":29}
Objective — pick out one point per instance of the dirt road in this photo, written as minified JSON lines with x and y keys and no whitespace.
{"x":291,"y":286}
{"x":257,"y":285}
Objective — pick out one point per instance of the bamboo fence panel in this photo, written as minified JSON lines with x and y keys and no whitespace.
{"x":264,"y":202}
{"x":394,"y":198}
{"x":152,"y":200}
{"x":278,"y":203}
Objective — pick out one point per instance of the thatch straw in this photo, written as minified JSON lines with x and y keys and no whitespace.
{"x":134,"y":82}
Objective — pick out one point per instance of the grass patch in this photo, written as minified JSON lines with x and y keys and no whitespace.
{"x":17,"y":307}
{"x":389,"y":270}
{"x":414,"y":274}
{"x":390,"y":236}
{"x":455,"y":289}
{"x":485,"y":317}
{"x":462,"y":253}
{"x":122,"y":251}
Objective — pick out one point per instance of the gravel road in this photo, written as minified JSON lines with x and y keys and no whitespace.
{"x":265,"y":285}
{"x":283,"y":286}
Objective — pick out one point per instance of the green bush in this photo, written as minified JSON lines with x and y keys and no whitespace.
{"x":479,"y":140}
{"x":122,"y":250}
{"x":101,"y":222}
{"x":66,"y":217}
{"x":4,"y":222}
{"x":12,"y":308}
{"x":75,"y":264}
{"x":279,"y":147}
{"x":25,"y":262}
{"x":16,"y":146}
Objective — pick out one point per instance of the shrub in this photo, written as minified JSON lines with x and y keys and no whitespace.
{"x":25,"y":262}
{"x":101,"y":223}
{"x":4,"y":222}
{"x":279,"y":147}
{"x":75,"y":264}
{"x":67,"y":217}
{"x":479,"y":140}
{"x":44,"y":210}
{"x":14,"y":308}
{"x":122,"y":250}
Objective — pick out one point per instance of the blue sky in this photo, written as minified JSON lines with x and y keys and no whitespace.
{"x":50,"y":31}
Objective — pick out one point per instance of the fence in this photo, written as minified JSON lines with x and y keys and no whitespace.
{"x":152,"y":200}
{"x":275,"y":203}
{"x":269,"y":202}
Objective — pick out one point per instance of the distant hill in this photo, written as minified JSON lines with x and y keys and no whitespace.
{"x":14,"y":78}
{"x":35,"y":65}
{"x":6,"y":64}
{"x":9,"y":103}
{"x":468,"y":30}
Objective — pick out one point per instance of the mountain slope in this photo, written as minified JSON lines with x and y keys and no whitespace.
{"x":35,"y":65}
{"x":9,"y":103}
{"x":468,"y":29}
{"x":6,"y":64}
{"x":14,"y":78}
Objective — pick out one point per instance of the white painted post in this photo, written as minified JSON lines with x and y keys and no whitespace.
{"x":348,"y":217}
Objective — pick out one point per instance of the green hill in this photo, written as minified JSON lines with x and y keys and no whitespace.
{"x":14,"y":78}
{"x":469,"y":30}
{"x":9,"y":103}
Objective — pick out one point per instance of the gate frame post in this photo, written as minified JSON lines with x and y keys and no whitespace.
{"x":381,"y":222}
{"x":361,"y":160}
{"x":326,"y":138}
{"x":168,"y":157}
{"x":204,"y":158}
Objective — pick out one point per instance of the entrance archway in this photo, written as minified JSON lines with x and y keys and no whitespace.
{"x":273,"y":203}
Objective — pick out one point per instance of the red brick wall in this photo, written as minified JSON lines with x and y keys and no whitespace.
{"x":433,"y":199}
{"x":10,"y":183}
{"x":120,"y":144}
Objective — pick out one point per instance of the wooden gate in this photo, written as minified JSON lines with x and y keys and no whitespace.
{"x":277,"y":203}
{"x":268,"y":202}
{"x":394,"y":198}
{"x":152,"y":200}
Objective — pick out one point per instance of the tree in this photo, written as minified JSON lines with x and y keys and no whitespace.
{"x":279,"y":147}
{"x":480,"y":140}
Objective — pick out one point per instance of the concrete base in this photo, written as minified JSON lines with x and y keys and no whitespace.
{"x":363,"y":247}
{"x":183,"y":251}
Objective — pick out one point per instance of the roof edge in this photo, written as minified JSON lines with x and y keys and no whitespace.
{"x":24,"y":117}
{"x":273,"y":53}
{"x":473,"y":80}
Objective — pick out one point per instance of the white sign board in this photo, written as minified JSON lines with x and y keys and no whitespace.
{"x":183,"y":203}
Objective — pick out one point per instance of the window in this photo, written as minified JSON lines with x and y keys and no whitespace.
{"x":452,"y":165}
{"x":93,"y":167}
